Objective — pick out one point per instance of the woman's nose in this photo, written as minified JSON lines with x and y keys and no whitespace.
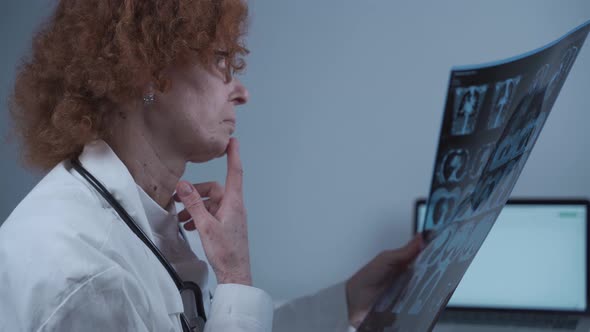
{"x":240,"y":95}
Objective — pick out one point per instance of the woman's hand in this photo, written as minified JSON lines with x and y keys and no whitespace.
{"x":364,"y":288}
{"x":220,"y":221}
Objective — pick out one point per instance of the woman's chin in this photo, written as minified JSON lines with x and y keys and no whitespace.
{"x":214,"y":151}
{"x":223,"y":150}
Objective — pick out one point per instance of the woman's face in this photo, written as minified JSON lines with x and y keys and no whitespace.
{"x":195,"y":117}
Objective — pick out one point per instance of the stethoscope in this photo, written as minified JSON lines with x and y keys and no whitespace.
{"x":198,"y":322}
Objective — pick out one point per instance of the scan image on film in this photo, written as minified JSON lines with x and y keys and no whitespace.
{"x":493,"y":116}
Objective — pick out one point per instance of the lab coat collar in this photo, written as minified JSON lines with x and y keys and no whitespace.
{"x":162,"y":221}
{"x":100,"y":160}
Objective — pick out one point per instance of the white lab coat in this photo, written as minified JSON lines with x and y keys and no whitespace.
{"x":69,"y":263}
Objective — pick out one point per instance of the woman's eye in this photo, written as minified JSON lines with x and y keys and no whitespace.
{"x":221,"y":60}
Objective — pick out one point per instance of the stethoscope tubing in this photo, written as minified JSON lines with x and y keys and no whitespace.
{"x":181,"y":285}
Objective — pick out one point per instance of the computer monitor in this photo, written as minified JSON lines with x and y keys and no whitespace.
{"x":534,"y":258}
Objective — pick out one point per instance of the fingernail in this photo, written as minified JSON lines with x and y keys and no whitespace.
{"x":184,"y":189}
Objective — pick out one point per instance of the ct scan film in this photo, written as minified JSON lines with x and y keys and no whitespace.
{"x":493,"y":116}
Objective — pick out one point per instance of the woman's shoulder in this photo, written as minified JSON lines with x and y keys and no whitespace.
{"x":56,"y":218}
{"x":59,"y":200}
{"x":55,"y":238}
{"x":60,"y":238}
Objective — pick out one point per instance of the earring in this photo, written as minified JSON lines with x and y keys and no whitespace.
{"x":149,"y":99}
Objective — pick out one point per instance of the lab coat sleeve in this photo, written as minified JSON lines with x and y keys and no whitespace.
{"x":325,"y":311}
{"x":240,"y":308}
{"x":107,"y":301}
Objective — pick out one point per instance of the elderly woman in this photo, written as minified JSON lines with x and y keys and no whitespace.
{"x":116,"y":98}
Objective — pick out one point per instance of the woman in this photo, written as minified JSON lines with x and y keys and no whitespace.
{"x":117,"y":97}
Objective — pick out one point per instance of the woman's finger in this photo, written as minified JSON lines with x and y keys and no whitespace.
{"x":193,"y":203}
{"x":210,"y":205}
{"x":233,"y":182}
{"x":211,"y":190}
{"x":406,"y":254}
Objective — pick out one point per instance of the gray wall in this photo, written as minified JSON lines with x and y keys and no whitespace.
{"x":340,"y":133}
{"x":18,"y":20}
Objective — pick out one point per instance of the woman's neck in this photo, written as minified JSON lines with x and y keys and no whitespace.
{"x":154,"y":167}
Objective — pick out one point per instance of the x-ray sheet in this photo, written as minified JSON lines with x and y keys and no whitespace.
{"x":493,"y":116}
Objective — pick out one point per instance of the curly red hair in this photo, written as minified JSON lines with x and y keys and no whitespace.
{"x":92,"y":55}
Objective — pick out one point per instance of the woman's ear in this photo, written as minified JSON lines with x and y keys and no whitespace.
{"x":149,"y":94}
